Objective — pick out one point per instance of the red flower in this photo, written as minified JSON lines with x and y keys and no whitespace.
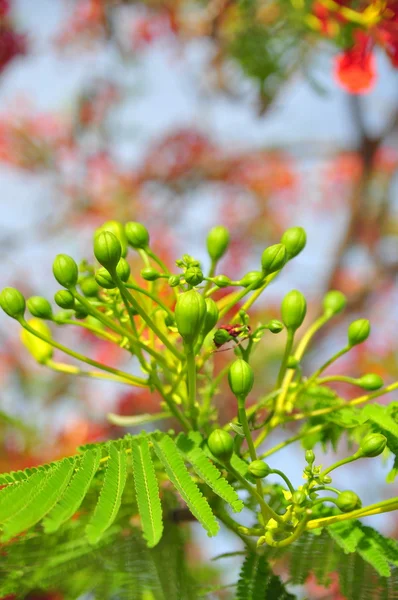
{"x":355,"y":69}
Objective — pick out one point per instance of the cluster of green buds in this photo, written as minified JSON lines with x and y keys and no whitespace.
{"x":174,"y":323}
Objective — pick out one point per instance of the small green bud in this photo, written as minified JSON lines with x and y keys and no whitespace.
{"x":123,"y":269}
{"x":193,"y":276}
{"x":12,"y":302}
{"x":107,"y":249}
{"x":221,"y":336}
{"x":298,"y":497}
{"x":334,"y":302}
{"x":64,"y":299}
{"x":240,"y":378}
{"x":62,"y":316}
{"x":221,"y":281}
{"x":117,"y":229}
{"x":255,"y":278}
{"x":89,"y":287}
{"x":104,"y":279}
{"x":217,"y":242}
{"x":273,"y":258}
{"x":39,"y":307}
{"x":190,"y":312}
{"x":292,"y":362}
{"x":348,"y":501}
{"x":372,"y":445}
{"x":221,"y":444}
{"x":294,"y":239}
{"x":275,"y":326}
{"x":211,"y":316}
{"x":150,"y":274}
{"x":309,"y":456}
{"x":65,"y":270}
{"x":259,"y":469}
{"x":137,"y":235}
{"x":294,"y":308}
{"x":80,"y":311}
{"x":358,"y":332}
{"x":326,"y":479}
{"x":174,"y":280}
{"x":40,"y":350}
{"x":370,"y":382}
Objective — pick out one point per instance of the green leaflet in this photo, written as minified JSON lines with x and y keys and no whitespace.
{"x":47,"y":495}
{"x":378,"y":414}
{"x":345,"y":535}
{"x":147,"y":492}
{"x":208,"y":472}
{"x":257,"y":582}
{"x":14,"y":497}
{"x":110,"y":496}
{"x":171,"y":459}
{"x":243,"y":591}
{"x":75,"y":492}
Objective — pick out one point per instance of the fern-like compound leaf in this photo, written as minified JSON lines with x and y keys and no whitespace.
{"x":110,"y":496}
{"x":147,"y":492}
{"x":379,"y":414}
{"x":14,"y":497}
{"x":42,"y":502}
{"x":170,"y":458}
{"x":75,"y":492}
{"x":258,"y":582}
{"x":244,"y":585}
{"x":208,"y":472}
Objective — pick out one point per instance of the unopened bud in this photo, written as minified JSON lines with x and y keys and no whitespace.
{"x":39,"y":307}
{"x":89,"y":287}
{"x":150,"y":274}
{"x":259,"y":469}
{"x":294,"y":308}
{"x":117,"y":229}
{"x":107,"y":250}
{"x":240,"y":379}
{"x":294,"y":239}
{"x":273,"y":258}
{"x":334,"y":302}
{"x":123,"y":270}
{"x":174,"y":280}
{"x":309,"y":456}
{"x":358,"y":332}
{"x":348,"y":501}
{"x":12,"y":302}
{"x":221,"y":281}
{"x":104,"y":279}
{"x":370,"y":382}
{"x":211,"y":316}
{"x":190,"y":313}
{"x":217,"y":242}
{"x":275,"y":326}
{"x":372,"y":445}
{"x":65,"y":270}
{"x":193,"y":276}
{"x":253,"y":278}
{"x":137,"y":235}
{"x":221,"y":444}
{"x":64,"y":299}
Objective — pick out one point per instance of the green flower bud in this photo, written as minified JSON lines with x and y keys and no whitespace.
{"x":372,"y":445}
{"x":80,"y":311}
{"x":298,"y":497}
{"x":117,"y":229}
{"x":255,"y":278}
{"x":221,"y":281}
{"x":104,"y":279}
{"x":326,"y":479}
{"x":39,"y":307}
{"x":107,"y":249}
{"x":65,"y":270}
{"x":348,"y":501}
{"x":221,"y":336}
{"x":358,"y":332}
{"x":150,"y":274}
{"x":292,"y":362}
{"x":40,"y":350}
{"x":62,"y":316}
{"x":64,"y":299}
{"x":217,"y":242}
{"x":89,"y":287}
{"x":193,"y":276}
{"x":123,"y":269}
{"x":12,"y":302}
{"x":259,"y":469}
{"x":137,"y":235}
{"x":309,"y":456}
{"x":334,"y":302}
{"x":273,"y":258}
{"x":294,"y":308}
{"x":211,"y":316}
{"x":190,"y":312}
{"x":221,"y":444}
{"x":275,"y":326}
{"x":240,"y":378}
{"x":370,"y":382}
{"x":294,"y":239}
{"x":174,"y":280}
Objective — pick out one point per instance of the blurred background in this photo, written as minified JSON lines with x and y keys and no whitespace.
{"x":183,"y":114}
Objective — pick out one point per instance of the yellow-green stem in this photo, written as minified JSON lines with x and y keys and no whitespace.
{"x":191,"y":377}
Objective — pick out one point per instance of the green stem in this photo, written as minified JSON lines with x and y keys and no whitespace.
{"x":342,"y":378}
{"x":289,"y":540}
{"x":326,"y":365}
{"x":288,"y":349}
{"x":126,"y":421}
{"x":136,"y":288}
{"x":324,"y":499}
{"x":191,"y":376}
{"x":295,"y":438}
{"x":81,"y":357}
{"x":236,"y":299}
{"x":340,"y":463}
{"x":245,"y":426}
{"x":99,"y":332}
{"x":285,"y":478}
{"x":72,"y":370}
{"x":366,"y":511}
